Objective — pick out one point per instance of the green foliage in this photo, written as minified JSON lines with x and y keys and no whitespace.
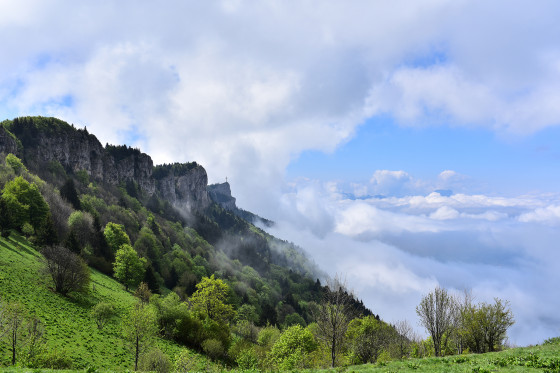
{"x":72,"y":338}
{"x":69,"y":193}
{"x":213,"y":348}
{"x":292,"y":349}
{"x":25,"y":202}
{"x":368,"y":338}
{"x":155,"y":361}
{"x":128,"y":267}
{"x":102,"y":313}
{"x":82,"y":177}
{"x":139,"y":328}
{"x":116,"y":236}
{"x":15,"y":163}
{"x":209,"y":299}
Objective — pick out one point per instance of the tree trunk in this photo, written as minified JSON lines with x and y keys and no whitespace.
{"x":333,"y":351}
{"x":137,"y":353}
{"x":14,"y":342}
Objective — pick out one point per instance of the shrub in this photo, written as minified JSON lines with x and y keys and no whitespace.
{"x":247,"y":359}
{"x":67,"y":270}
{"x":102,"y":313}
{"x":213,"y":348}
{"x":53,"y":360}
{"x":186,"y":361}
{"x":155,"y":361}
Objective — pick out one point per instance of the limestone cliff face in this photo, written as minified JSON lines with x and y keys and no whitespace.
{"x":49,"y":139}
{"x":183,"y":185}
{"x":221,"y":194}
{"x":8,"y":143}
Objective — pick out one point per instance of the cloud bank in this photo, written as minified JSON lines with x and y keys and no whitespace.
{"x":394,"y":249}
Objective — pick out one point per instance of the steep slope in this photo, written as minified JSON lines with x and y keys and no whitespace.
{"x":69,"y":328}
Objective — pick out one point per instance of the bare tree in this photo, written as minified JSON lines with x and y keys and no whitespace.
{"x":437,"y":314}
{"x":16,"y":319}
{"x":403,"y":337}
{"x":67,"y":270}
{"x":333,"y":316}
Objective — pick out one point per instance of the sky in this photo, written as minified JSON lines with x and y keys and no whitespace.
{"x":403,"y":144}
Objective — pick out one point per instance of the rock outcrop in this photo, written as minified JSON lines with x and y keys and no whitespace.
{"x":221,"y":194}
{"x":46,"y":140}
{"x":183,"y":185}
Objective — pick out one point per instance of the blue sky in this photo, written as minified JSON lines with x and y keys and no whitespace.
{"x":312,"y":109}
{"x":498,"y":164}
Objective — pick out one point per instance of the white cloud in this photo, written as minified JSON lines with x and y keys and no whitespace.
{"x":243,"y":88}
{"x":547,"y":215}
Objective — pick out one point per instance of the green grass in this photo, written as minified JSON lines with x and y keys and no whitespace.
{"x":69,"y":328}
{"x":543,"y":359}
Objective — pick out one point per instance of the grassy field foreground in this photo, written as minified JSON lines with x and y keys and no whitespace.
{"x":544,"y":358}
{"x":69,"y":328}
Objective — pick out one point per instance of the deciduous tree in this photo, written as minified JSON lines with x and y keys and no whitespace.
{"x":68,"y":271}
{"x":210,"y":299}
{"x":437,"y":312}
{"x":333,"y":315}
{"x":139,"y":328}
{"x":128,"y":267}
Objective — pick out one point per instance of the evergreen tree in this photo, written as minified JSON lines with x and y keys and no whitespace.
{"x":46,"y":235}
{"x":69,"y":193}
{"x":150,"y":280}
{"x":72,"y":243}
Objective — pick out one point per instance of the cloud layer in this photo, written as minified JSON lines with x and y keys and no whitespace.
{"x":394,"y":249}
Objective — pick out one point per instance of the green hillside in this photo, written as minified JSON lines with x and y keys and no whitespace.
{"x":70,"y":331}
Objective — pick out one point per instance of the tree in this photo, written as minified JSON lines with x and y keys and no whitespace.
{"x":143,"y":293}
{"x":80,"y":224}
{"x":437,"y":312}
{"x":46,"y":235}
{"x":15,"y":163}
{"x":209,"y":299}
{"x":116,"y":236}
{"x":292,"y":348}
{"x":102,"y":313}
{"x":25,"y":203}
{"x":403,"y":337}
{"x":69,"y":193}
{"x":368,"y":337}
{"x":139,"y":328}
{"x":16,"y":319}
{"x":128,"y":267}
{"x":333,"y":315}
{"x":68,"y":271}
{"x":497,"y":321}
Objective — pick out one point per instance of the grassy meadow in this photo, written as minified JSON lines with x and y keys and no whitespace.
{"x":69,"y":328}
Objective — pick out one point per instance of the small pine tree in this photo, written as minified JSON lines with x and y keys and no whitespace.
{"x":69,"y":193}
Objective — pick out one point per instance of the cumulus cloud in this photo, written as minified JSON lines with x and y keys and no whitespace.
{"x":244,"y":88}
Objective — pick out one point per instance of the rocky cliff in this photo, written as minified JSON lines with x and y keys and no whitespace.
{"x":221,"y":194}
{"x":44,"y":140}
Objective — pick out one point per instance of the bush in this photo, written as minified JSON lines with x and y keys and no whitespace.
{"x":213,"y":348}
{"x":155,"y":361}
{"x":67,"y":270}
{"x":186,"y":361}
{"x":53,"y":360}
{"x":102,"y":313}
{"x":248,"y":359}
